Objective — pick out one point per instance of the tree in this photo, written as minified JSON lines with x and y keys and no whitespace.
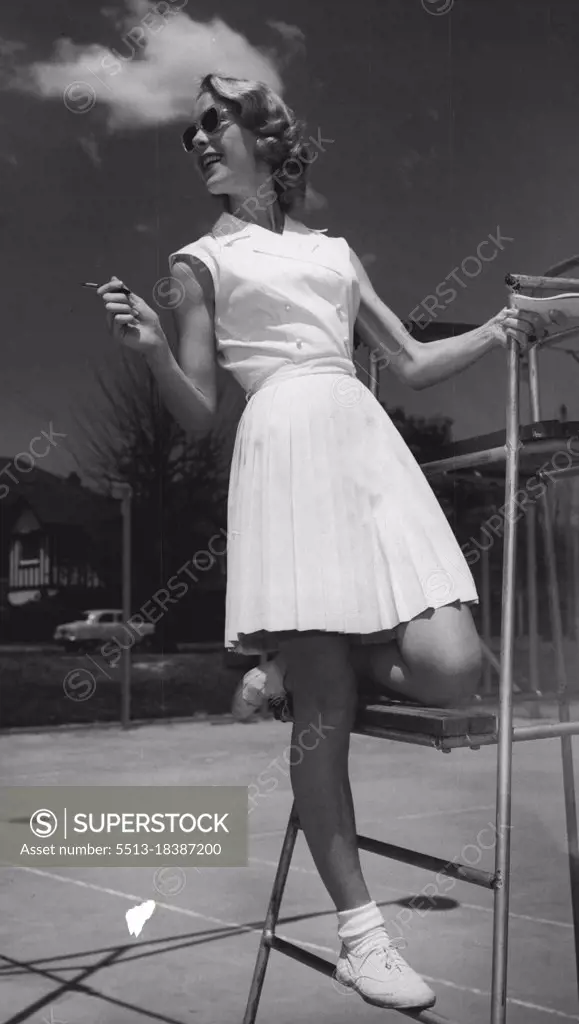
{"x":424,"y":437}
{"x":464,"y":498}
{"x":179,"y":482}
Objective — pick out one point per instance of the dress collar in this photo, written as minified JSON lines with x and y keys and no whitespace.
{"x":229,"y":227}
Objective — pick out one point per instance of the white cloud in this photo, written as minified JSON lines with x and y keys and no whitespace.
{"x":8,"y":47}
{"x":89,"y":145}
{"x":292,"y":31}
{"x":151,"y":74}
{"x":294,"y":42}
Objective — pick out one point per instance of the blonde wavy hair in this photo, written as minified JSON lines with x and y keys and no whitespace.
{"x":278,"y":133}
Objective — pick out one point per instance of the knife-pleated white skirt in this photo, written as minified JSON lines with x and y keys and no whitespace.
{"x":332,"y":525}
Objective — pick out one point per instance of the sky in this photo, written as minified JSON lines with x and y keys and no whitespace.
{"x":447,"y":123}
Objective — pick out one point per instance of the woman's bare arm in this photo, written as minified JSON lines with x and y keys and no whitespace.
{"x":382,"y":331}
{"x":420,"y":365}
{"x":188,"y":384}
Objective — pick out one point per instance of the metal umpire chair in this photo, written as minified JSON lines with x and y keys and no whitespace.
{"x":517,"y":451}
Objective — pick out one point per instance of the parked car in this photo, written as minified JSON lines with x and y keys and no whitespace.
{"x":97,"y":625}
{"x":241,"y":661}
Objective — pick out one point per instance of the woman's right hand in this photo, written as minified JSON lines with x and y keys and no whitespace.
{"x":130,"y":320}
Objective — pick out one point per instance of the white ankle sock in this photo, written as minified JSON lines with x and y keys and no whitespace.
{"x":359,"y":927}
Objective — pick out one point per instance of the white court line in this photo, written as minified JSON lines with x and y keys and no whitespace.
{"x":61,"y":771}
{"x":399,"y":891}
{"x":437,"y":814}
{"x":261,"y":835}
{"x":399,"y":817}
{"x":246,"y":928}
{"x":521,"y":917}
{"x":131,"y":896}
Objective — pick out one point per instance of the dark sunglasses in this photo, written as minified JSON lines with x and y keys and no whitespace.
{"x":211,"y":121}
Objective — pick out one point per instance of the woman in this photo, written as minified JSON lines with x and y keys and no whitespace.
{"x":337,"y":545}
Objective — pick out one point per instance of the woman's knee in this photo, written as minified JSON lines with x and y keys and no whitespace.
{"x":455,"y":674}
{"x":443,"y":651}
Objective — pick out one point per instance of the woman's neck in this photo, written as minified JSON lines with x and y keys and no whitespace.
{"x":258,"y":211}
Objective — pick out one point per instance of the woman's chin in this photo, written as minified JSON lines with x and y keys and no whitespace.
{"x":217,"y":186}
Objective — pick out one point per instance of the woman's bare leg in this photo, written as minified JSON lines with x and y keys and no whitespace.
{"x":324,"y":693}
{"x":436,"y":658}
{"x":324,"y":690}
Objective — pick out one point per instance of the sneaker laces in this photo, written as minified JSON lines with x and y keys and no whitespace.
{"x":387,"y":950}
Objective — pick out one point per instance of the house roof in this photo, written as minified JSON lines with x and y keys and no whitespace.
{"x":56,"y":500}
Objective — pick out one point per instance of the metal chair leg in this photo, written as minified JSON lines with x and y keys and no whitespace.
{"x":271,"y":918}
{"x":505,"y":739}
{"x":534,"y":678}
{"x":486,"y":619}
{"x":564,"y":716}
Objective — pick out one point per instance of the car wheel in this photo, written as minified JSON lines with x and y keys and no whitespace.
{"x":85,"y":646}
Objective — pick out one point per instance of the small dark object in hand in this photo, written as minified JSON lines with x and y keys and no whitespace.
{"x":93,"y":284}
{"x":282,"y":708}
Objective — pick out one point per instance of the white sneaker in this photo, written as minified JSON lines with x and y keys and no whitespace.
{"x":260,"y":685}
{"x":383,"y":978}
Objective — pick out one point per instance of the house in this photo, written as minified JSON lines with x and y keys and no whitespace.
{"x":58,"y":540}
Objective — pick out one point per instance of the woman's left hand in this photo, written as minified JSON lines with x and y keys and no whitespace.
{"x":520,"y":324}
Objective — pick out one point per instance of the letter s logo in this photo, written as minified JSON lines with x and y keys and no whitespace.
{"x":43,"y":823}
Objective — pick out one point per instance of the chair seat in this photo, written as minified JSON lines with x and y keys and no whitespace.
{"x":444,"y":727}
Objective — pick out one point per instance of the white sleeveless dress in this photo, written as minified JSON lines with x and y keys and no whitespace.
{"x":332,"y":524}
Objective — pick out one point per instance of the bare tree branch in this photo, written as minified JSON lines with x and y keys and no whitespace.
{"x":179,"y":482}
